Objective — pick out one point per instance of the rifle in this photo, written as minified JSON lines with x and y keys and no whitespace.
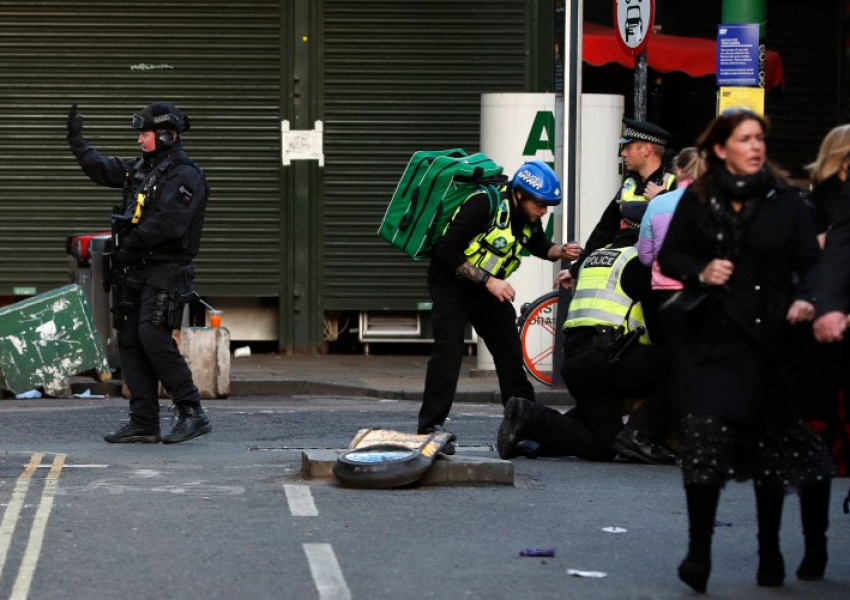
{"x":114,"y":275}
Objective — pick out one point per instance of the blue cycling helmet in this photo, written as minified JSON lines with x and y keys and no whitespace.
{"x":537,"y":180}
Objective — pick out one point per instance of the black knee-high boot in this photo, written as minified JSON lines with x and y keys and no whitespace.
{"x":814,"y":512}
{"x":769,"y":501}
{"x":702,"y":507}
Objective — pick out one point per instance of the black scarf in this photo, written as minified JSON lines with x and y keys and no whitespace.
{"x":732,"y":225}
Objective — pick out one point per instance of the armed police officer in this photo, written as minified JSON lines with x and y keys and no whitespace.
{"x":157,"y":232}
{"x":467,"y":281}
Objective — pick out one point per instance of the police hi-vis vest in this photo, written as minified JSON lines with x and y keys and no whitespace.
{"x":497,"y":250}
{"x":599,"y":298}
{"x":628,"y":193}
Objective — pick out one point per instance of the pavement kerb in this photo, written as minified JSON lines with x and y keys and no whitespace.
{"x":268,"y":387}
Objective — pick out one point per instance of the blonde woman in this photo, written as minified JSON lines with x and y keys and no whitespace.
{"x":827,"y":174}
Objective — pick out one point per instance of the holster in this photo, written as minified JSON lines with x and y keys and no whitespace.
{"x":168,"y":308}
{"x":621,"y":342}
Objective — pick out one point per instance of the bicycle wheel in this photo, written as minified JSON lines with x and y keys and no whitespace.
{"x":537,"y":334}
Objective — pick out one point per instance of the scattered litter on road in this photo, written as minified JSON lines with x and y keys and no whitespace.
{"x":87,"y":394}
{"x":614,"y":530}
{"x":538,"y":551}
{"x":243,"y":351}
{"x":577,"y":573}
{"x":29,"y":394}
{"x":722,"y":523}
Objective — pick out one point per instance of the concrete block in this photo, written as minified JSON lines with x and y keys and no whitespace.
{"x":318,"y":463}
{"x":207,"y":352}
{"x":469,"y":470}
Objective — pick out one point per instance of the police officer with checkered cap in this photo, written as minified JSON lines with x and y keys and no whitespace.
{"x":643,"y":145}
{"x":642,"y":148}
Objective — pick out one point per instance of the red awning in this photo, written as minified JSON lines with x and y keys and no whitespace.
{"x":696,"y":57}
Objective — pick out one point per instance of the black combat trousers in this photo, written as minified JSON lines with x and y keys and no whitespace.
{"x":149,"y":353}
{"x":457,"y":303}
{"x":599,"y":389}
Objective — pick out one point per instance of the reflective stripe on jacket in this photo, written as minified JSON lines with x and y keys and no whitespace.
{"x":497,"y":250}
{"x":599,"y":298}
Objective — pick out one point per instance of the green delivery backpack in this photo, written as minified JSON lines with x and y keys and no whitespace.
{"x":431,"y":188}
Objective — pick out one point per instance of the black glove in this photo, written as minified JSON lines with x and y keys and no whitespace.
{"x":126,"y":253}
{"x":75,"y":122}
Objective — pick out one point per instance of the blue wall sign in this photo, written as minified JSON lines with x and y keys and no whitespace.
{"x":738,"y":55}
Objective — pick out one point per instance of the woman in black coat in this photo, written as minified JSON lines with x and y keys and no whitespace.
{"x":743,"y":243}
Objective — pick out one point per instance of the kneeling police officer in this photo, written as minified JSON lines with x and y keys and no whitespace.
{"x":156,"y":234}
{"x":608,"y":359}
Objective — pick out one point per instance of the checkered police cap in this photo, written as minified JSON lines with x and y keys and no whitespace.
{"x":644,"y":131}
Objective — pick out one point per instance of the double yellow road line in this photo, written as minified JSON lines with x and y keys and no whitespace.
{"x":26,"y":569}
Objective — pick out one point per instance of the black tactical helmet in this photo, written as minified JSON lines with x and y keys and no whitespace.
{"x":159,"y":115}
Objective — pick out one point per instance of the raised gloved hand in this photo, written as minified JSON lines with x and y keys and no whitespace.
{"x":75,"y":122}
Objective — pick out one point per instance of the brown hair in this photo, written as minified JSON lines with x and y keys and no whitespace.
{"x":717,"y":133}
{"x":833,"y":150}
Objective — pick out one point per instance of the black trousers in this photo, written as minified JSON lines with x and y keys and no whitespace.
{"x":599,"y":389}
{"x":457,"y":303}
{"x":149,"y":354}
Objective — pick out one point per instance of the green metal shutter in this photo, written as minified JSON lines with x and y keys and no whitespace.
{"x":400,"y":76}
{"x":220,"y":62}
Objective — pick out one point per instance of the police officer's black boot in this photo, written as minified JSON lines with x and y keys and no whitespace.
{"x":134,"y":433}
{"x":515,"y":426}
{"x":814,"y":512}
{"x":192,"y":421}
{"x":702,"y":508}
{"x":769,"y":501}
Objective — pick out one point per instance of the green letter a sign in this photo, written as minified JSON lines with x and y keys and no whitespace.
{"x":542,"y":134}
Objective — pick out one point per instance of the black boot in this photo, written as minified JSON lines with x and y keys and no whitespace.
{"x":514,"y":427}
{"x":134,"y":433}
{"x":192,"y":421}
{"x":814,"y":512}
{"x":702,"y":507}
{"x":769,"y":501}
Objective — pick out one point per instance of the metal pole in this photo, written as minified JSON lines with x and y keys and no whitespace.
{"x":748,"y":11}
{"x":571,"y":161}
{"x":640,"y":86}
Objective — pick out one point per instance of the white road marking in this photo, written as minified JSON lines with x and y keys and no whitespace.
{"x":300,"y":501}
{"x":13,"y":510}
{"x":326,"y":572}
{"x":39,"y":526}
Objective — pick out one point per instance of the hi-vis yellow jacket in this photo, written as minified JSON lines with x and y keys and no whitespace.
{"x":599,"y":299}
{"x":497,"y":250}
